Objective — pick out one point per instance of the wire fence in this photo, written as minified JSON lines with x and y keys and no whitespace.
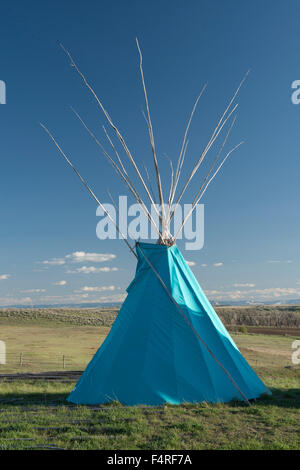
{"x":28,"y":362}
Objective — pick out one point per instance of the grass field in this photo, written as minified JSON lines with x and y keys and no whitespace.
{"x":43,"y":348}
{"x":34,"y":413}
{"x":273,"y":317}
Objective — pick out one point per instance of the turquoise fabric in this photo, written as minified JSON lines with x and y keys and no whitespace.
{"x":152,"y":356}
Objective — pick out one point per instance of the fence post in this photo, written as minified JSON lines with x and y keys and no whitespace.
{"x":21,"y":359}
{"x":64,"y":362}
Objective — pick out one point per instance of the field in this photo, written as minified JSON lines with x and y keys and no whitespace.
{"x":34,"y":413}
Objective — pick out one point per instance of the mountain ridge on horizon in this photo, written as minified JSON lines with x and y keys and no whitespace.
{"x":118,"y":304}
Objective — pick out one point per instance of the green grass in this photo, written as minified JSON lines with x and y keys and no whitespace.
{"x":43,"y":347}
{"x":265,"y":351}
{"x":35,"y":414}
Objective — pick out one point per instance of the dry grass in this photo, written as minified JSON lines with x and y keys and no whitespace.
{"x":267,"y":316}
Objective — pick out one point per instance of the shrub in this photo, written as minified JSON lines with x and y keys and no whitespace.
{"x":243,"y":329}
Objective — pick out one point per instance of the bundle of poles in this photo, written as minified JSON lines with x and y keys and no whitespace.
{"x":164,"y":205}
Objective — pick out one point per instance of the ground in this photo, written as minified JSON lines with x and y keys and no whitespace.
{"x":34,"y":413}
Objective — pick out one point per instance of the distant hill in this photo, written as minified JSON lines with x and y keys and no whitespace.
{"x":54,"y":306}
{"x":268,"y":319}
{"x":118,"y":304}
{"x":250,"y":302}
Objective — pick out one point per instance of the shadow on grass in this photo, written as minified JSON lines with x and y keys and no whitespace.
{"x":283,"y":398}
{"x":11,"y":399}
{"x":287,"y":398}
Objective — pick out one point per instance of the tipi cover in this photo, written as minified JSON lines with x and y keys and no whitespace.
{"x":152,"y":354}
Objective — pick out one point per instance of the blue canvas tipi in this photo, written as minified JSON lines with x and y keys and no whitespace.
{"x":152,"y":354}
{"x":167,"y":343}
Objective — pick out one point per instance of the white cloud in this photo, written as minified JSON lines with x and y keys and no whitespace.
{"x":79,"y":257}
{"x":92,"y":270}
{"x":7,"y":301}
{"x":33,"y":291}
{"x":218,"y":264}
{"x":82,"y":257}
{"x":267,"y":294}
{"x":96,"y":289}
{"x":280,"y":291}
{"x":4,"y":276}
{"x":272,"y":261}
{"x":82,"y":298}
{"x":203,"y":265}
{"x":61,"y":299}
{"x":60,"y":283}
{"x":54,"y":262}
{"x":191,"y":263}
{"x":244,"y":285}
{"x":113,"y":298}
{"x":26,"y":300}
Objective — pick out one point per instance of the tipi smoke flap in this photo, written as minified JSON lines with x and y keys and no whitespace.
{"x":152,"y":354}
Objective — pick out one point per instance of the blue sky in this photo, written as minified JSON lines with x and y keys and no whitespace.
{"x":252,"y":222}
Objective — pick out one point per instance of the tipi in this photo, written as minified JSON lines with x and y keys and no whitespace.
{"x":167,"y":343}
{"x":152,"y":354}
